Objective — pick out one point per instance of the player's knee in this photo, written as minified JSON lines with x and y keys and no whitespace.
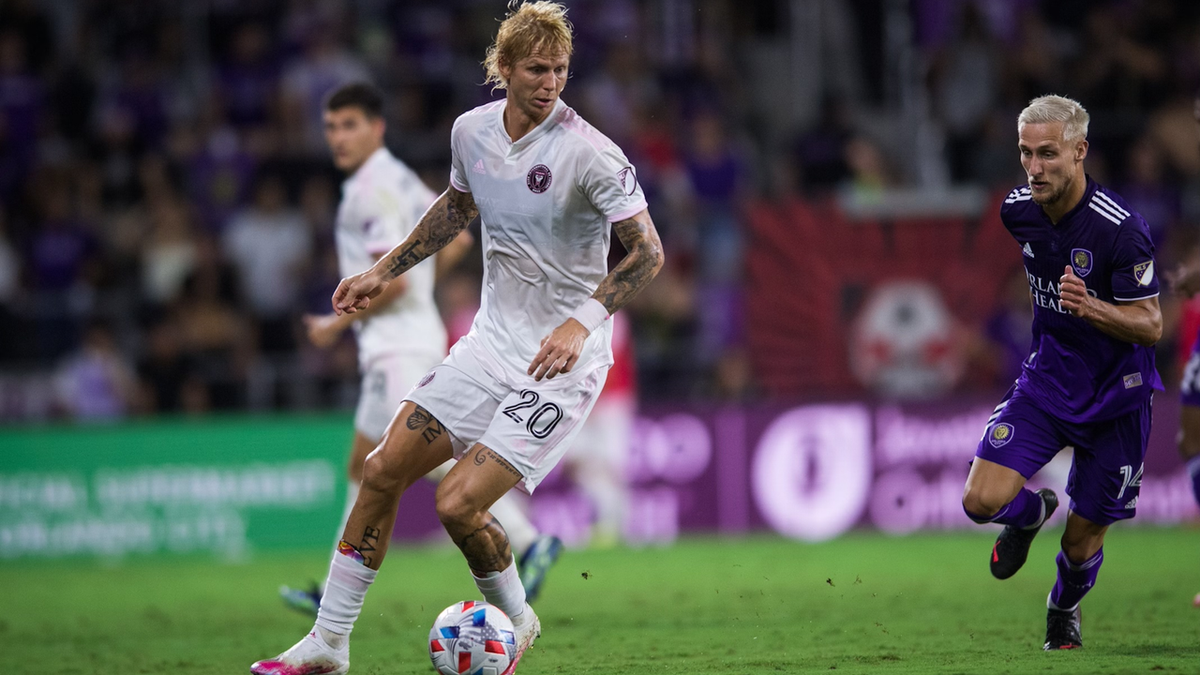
{"x":981,"y":505}
{"x":381,"y":472}
{"x":453,"y":506}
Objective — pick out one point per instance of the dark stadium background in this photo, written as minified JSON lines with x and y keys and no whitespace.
{"x":825,"y":176}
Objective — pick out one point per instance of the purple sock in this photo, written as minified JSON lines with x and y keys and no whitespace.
{"x":1074,"y":581}
{"x":1193,"y":467}
{"x":1025,"y":510}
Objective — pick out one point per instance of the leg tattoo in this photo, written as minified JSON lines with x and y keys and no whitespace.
{"x":486,"y":548}
{"x":430,"y":427}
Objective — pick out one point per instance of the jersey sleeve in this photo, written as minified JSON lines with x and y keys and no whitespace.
{"x":1134,"y":276}
{"x":384,"y":219}
{"x":611,"y":185}
{"x":458,"y":173}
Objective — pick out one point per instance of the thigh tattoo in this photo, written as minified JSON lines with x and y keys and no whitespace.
{"x":430,"y":427}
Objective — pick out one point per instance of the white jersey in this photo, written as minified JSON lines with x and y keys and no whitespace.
{"x":381,"y":204}
{"x":546,"y":203}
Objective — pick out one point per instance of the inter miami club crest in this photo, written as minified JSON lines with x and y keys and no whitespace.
{"x":425,"y":380}
{"x":1001,"y":434}
{"x":538,"y":179}
{"x":1081,"y":261}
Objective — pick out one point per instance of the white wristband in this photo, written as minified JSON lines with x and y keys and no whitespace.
{"x":591,"y":314}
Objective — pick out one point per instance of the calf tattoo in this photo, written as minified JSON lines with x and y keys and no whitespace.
{"x":367,"y":545}
{"x":486,"y":548}
{"x":430,"y":427}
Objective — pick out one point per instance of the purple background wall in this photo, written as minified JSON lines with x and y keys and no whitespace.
{"x":810,"y":472}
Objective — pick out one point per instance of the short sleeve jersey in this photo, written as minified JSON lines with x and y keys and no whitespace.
{"x":546,"y":204}
{"x":1076,"y":370}
{"x":381,"y":204}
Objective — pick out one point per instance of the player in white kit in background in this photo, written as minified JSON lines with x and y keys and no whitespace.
{"x":514,"y":392}
{"x":401,"y":336}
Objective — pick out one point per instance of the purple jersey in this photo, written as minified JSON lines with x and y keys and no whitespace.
{"x":1077,"y":371}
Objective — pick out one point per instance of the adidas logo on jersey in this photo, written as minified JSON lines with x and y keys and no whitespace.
{"x":478,"y":168}
{"x":1132,"y":503}
{"x":1028,"y":250}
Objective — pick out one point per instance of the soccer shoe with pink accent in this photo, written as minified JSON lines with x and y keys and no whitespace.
{"x":526,"y":633}
{"x":310,"y":656}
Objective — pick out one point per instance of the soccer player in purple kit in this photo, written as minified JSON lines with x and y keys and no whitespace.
{"x":1090,"y":378}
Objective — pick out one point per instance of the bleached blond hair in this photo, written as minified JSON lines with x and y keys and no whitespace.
{"x":1052,"y":108}
{"x":529,"y":27}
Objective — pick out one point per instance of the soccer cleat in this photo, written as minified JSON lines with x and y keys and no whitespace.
{"x":305,"y":602}
{"x":527,"y":632}
{"x":310,"y":656}
{"x":1012,"y":546}
{"x":1062,"y":629}
{"x":536,"y":562}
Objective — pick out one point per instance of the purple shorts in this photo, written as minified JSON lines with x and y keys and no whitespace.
{"x":1189,"y":386}
{"x":1106,"y":473}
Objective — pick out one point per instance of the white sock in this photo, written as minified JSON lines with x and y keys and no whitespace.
{"x":504,"y":590}
{"x":521,"y":532}
{"x":352,"y":488}
{"x":345,"y":590}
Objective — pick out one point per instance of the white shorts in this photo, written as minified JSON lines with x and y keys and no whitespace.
{"x":384,"y":383}
{"x":529,"y":423}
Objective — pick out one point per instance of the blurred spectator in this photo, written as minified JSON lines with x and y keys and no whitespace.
{"x":247,"y":85}
{"x":1150,"y":191}
{"x":964,"y":79}
{"x":168,"y":252}
{"x":821,"y":151}
{"x":269,"y":245}
{"x":323,"y":66}
{"x":216,"y":339}
{"x":96,"y":382}
{"x":717,"y":178}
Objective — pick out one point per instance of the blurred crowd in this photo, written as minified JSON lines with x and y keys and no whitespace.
{"x":167,"y":204}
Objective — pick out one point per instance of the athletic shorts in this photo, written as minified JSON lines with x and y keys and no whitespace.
{"x":1106,"y":472}
{"x":385,"y":381}
{"x":528,"y":423}
{"x":1189,"y":386}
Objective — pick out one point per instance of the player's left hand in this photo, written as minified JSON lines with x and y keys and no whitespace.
{"x":1072,"y":293}
{"x":560,"y":350}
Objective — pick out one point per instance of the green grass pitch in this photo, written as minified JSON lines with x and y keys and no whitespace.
{"x":865,"y":603}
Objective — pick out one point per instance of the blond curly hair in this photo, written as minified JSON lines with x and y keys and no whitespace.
{"x":529,"y":27}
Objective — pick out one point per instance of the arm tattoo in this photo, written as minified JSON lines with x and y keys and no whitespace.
{"x":637,"y":268}
{"x":448,"y":216}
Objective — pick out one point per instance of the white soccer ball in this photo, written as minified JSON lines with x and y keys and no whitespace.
{"x":472,"y":638}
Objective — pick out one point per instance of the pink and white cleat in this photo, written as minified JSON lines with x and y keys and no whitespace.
{"x":314,"y":655}
{"x":527,"y":632}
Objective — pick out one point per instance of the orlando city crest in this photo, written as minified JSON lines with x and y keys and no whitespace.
{"x":1001,"y":434}
{"x":538,"y":179}
{"x":1144,"y":273}
{"x":1081,"y":261}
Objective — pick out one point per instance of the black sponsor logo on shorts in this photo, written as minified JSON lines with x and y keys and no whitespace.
{"x":539,"y":178}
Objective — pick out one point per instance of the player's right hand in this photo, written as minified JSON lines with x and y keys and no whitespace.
{"x":355,"y":293}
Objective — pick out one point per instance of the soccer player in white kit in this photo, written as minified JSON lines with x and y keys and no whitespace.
{"x":401,"y":336}
{"x":513,"y":393}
